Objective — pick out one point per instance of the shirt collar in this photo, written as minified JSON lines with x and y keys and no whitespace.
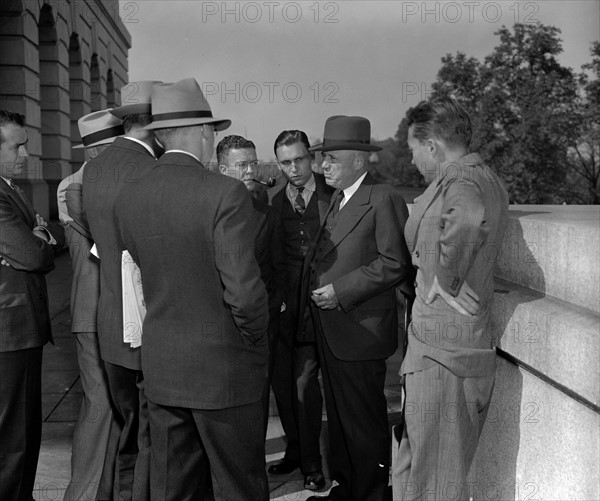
{"x":351,"y":190}
{"x":184,"y":152}
{"x":135,"y":140}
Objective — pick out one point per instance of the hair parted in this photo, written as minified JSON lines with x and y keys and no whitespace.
{"x":289,"y":137}
{"x":232,"y":142}
{"x":442,"y":118}
{"x":10,"y":117}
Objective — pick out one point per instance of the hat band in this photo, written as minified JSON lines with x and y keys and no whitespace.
{"x":333,"y":142}
{"x":117,"y":130}
{"x":182,"y":114}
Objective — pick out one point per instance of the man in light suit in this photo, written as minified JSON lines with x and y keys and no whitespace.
{"x":205,"y":342}
{"x":236,"y":157}
{"x":350,"y":279}
{"x":26,"y":254}
{"x":302,"y":203}
{"x":454,"y":234}
{"x":90,"y":477}
{"x":127,"y":160}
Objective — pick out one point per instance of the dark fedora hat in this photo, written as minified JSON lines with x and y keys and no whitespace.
{"x":346,"y":133}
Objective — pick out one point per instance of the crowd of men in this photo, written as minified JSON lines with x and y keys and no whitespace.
{"x":246,"y":290}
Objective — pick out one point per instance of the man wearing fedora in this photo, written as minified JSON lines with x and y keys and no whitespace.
{"x":90,"y":477}
{"x":127,"y":160}
{"x":205,"y":344}
{"x":26,"y":255}
{"x":358,"y":258}
{"x":302,"y":202}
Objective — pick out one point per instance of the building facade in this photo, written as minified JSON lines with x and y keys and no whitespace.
{"x":59,"y":60}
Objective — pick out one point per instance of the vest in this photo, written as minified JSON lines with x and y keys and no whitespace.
{"x":299,"y":230}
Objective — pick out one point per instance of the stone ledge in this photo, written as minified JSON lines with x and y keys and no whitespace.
{"x":554,"y":249}
{"x":556,"y":338}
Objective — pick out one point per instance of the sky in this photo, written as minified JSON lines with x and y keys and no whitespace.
{"x":274,"y":65}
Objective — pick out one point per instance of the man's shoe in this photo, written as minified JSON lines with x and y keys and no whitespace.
{"x":283,"y":467}
{"x":314,"y":481}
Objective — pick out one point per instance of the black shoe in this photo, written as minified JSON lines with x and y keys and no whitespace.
{"x":314,"y":481}
{"x":283,"y":467}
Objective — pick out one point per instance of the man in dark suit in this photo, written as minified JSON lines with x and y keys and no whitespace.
{"x":90,"y":479}
{"x":358,"y":258}
{"x":454,"y":233}
{"x":302,"y":203}
{"x":205,"y":342}
{"x":236,"y":157}
{"x":26,"y":255}
{"x":127,"y":160}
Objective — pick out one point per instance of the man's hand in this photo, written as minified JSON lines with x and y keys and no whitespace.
{"x":40,"y":221}
{"x":42,"y":235}
{"x":465,"y":303}
{"x":4,"y":262}
{"x":325,"y":297}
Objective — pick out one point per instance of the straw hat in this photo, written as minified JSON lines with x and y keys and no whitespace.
{"x":97,"y":128}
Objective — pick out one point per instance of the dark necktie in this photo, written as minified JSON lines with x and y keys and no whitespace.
{"x":338,"y":201}
{"x":300,"y":203}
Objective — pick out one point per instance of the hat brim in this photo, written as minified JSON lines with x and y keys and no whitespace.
{"x":345,"y":146}
{"x":97,"y":143}
{"x":131,"y":109}
{"x":219,"y":123}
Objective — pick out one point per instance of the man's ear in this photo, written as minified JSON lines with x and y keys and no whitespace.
{"x":359,"y":160}
{"x":222,"y":169}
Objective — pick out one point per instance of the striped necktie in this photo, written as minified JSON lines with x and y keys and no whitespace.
{"x":300,"y":203}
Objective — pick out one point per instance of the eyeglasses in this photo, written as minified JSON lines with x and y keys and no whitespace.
{"x":295,"y":161}
{"x":245,"y":165}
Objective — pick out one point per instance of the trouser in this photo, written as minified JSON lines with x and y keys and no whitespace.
{"x":444,"y":416}
{"x":193,"y":449}
{"x":93,"y":429}
{"x":20,"y":422}
{"x":132,"y":464}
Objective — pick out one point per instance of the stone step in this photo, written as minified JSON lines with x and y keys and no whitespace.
{"x":555,"y":250}
{"x":556,"y":338}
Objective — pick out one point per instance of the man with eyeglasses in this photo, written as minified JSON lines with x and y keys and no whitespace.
{"x":302,"y":202}
{"x":236,"y":157}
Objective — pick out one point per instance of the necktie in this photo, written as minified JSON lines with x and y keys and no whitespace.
{"x":300,"y":203}
{"x":338,"y":201}
{"x":21,"y":195}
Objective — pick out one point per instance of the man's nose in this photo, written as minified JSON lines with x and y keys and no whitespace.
{"x":23,"y":151}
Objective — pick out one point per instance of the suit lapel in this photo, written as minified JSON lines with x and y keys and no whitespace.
{"x":350,"y":215}
{"x":320,"y":192}
{"x":414,"y":221}
{"x":18,"y":198}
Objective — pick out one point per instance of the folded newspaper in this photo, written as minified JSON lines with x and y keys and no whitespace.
{"x":134,"y":307}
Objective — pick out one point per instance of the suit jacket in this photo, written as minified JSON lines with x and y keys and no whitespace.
{"x":269,"y":254}
{"x":364,"y":256}
{"x":24,"y":316}
{"x":123,"y":163}
{"x":455,"y":232}
{"x":192,"y":233}
{"x":85,"y":286}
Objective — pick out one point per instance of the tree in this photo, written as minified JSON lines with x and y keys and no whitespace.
{"x":584,"y":154}
{"x":523,"y":104}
